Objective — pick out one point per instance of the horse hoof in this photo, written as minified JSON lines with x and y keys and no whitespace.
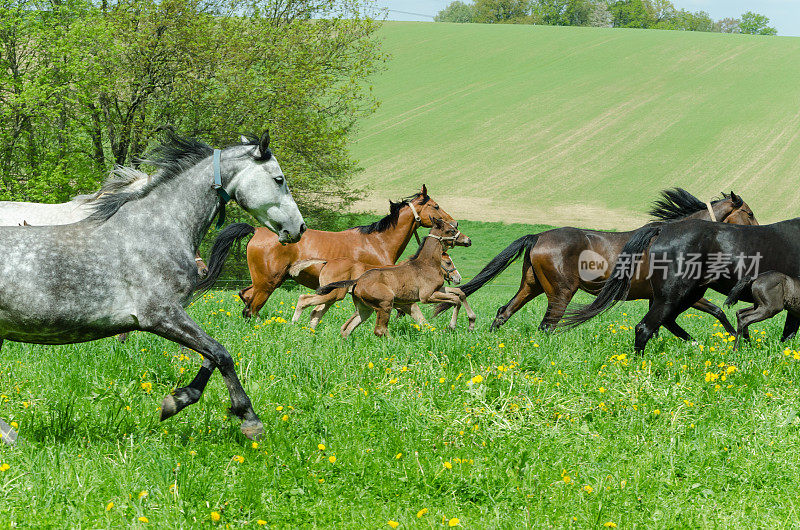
{"x":253,"y":429}
{"x":169,"y":407}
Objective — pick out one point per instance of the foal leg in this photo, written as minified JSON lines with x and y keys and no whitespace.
{"x":753,"y":315}
{"x":177,"y":326}
{"x":382,"y":320}
{"x":364,"y":312}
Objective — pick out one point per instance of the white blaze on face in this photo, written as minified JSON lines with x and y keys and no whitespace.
{"x":591,"y":266}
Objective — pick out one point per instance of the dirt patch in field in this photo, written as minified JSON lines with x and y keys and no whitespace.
{"x":475,"y":209}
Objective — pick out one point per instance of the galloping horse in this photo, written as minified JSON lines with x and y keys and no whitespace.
{"x":774,"y":247}
{"x":420,"y":279}
{"x":344,"y":269}
{"x":552,"y":259}
{"x":130,"y":265}
{"x":378,"y":244}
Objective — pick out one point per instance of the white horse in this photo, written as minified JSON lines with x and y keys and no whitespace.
{"x":130,"y":264}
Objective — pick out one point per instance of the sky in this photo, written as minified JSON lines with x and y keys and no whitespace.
{"x":783,"y":14}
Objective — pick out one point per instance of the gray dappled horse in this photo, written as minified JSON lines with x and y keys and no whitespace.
{"x":130,"y":265}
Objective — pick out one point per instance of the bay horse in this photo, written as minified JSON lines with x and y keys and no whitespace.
{"x":552,"y":259}
{"x":774,"y":247}
{"x":343,"y":269}
{"x":420,"y":279}
{"x":378,"y":244}
{"x":130,"y":265}
{"x":772,"y":292}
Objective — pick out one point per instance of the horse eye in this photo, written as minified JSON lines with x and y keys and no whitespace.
{"x":436,"y":207}
{"x":278,"y":181}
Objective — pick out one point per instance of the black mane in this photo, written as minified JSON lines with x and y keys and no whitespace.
{"x":677,"y":203}
{"x":174,"y":156}
{"x":390,"y":221}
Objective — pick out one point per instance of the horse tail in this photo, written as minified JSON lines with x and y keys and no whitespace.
{"x":737,"y":291}
{"x":325,"y":289}
{"x":299,"y":266}
{"x":220,"y":251}
{"x":616,"y":287}
{"x":500,"y":263}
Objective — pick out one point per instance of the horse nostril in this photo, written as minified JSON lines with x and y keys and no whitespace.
{"x":302,"y":228}
{"x":279,"y":227}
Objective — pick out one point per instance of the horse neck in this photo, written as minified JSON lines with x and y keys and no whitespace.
{"x":722,"y":209}
{"x":431,"y":252}
{"x":395,"y":239}
{"x":179,"y":210}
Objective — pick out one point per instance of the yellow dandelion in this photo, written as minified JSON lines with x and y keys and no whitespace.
{"x":142,"y":493}
{"x":254,"y":445}
{"x":238,"y":458}
{"x":370,"y":365}
{"x":279,"y":408}
{"x":144,"y":519}
{"x":453,"y":522}
{"x":261,"y":522}
{"x":332,"y":459}
{"x":4,"y":467}
{"x":448,"y":465}
{"x":588,"y":489}
{"x":477,"y":379}
{"x":656,"y":412}
{"x":321,"y":447}
{"x":441,"y":379}
{"x":109,"y":506}
{"x":610,"y":524}
{"x":285,"y":417}
{"x":421,"y":513}
{"x":393,"y":524}
{"x":215,"y":516}
{"x":398,"y":456}
{"x":147,"y":386}
{"x":567,"y":479}
{"x":14,"y":425}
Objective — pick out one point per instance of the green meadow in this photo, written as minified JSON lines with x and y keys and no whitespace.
{"x":569,"y":125}
{"x":427,"y":429}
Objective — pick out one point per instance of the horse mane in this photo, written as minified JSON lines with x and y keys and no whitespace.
{"x":390,"y":221}
{"x":677,"y":203}
{"x":174,"y":156}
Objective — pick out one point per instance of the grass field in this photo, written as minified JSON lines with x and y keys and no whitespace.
{"x":581,"y":126}
{"x":428,"y":429}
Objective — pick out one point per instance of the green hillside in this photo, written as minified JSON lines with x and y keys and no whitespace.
{"x":581,"y":126}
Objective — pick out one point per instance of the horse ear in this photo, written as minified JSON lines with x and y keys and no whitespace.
{"x":424,"y":191}
{"x":244,"y":140}
{"x":737,"y":201}
{"x":263,"y":145}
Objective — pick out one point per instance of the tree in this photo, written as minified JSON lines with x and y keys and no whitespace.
{"x":756,"y":24}
{"x":630,"y":14}
{"x":563,"y":12}
{"x":502,"y":11}
{"x":85,"y":86}
{"x":727,"y":25}
{"x":456,"y":12}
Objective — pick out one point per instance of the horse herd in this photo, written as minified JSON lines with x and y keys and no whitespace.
{"x":125,"y":259}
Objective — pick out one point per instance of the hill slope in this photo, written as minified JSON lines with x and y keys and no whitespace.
{"x":582,"y":126}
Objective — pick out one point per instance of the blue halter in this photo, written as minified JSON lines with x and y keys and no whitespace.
{"x":223,"y":195}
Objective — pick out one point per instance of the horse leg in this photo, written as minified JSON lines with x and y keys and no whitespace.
{"x":790,"y":327}
{"x":707,"y":307}
{"x":178,"y":327}
{"x":660,"y":313}
{"x":471,"y":316}
{"x":382,"y":320}
{"x":303,"y":301}
{"x":261,"y":293}
{"x":753,"y":315}
{"x":363,"y":313}
{"x":416,"y":314}
{"x":528,"y":290}
{"x":246,"y":295}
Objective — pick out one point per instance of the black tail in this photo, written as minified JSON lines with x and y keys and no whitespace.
{"x":616,"y":287}
{"x":738,"y":290}
{"x":219,"y":253}
{"x":325,"y":289}
{"x":500,"y":263}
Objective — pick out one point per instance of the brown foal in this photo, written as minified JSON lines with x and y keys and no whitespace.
{"x":378,"y":244}
{"x":344,"y":269}
{"x":420,"y":279}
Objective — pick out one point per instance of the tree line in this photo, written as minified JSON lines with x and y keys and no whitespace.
{"x":88,"y":84}
{"x":649,"y":14}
